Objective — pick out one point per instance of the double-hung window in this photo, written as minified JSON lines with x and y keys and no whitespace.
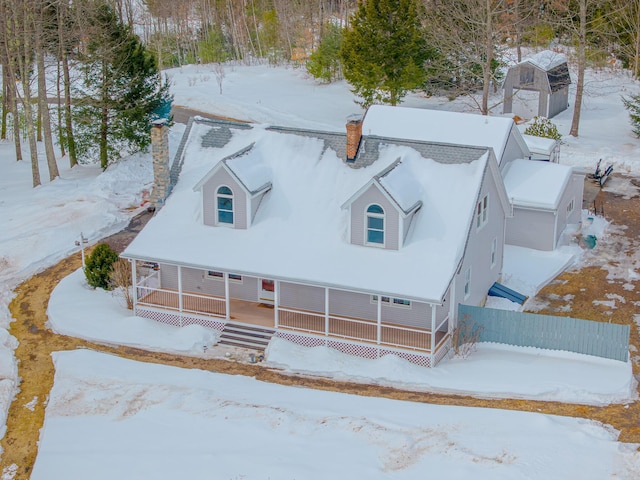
{"x":482,"y":214}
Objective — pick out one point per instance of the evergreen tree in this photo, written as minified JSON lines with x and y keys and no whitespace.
{"x":122,"y":89}
{"x":633,"y":105}
{"x":383,"y":51}
{"x":324,"y":62}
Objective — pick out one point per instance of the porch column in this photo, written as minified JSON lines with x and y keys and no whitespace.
{"x":326,"y":311}
{"x":134,"y":281}
{"x":180,"y":305}
{"x":276,"y":301}
{"x":433,"y":326}
{"x":379,"y":326}
{"x":227,"y":306}
{"x":453,"y":321}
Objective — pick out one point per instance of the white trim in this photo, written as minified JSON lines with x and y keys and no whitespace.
{"x":482,"y":215}
{"x":227,"y":303}
{"x":276,"y":302}
{"x":134,"y":281}
{"x":494,"y":252}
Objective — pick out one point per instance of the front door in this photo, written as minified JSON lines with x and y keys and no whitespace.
{"x":266,"y":290}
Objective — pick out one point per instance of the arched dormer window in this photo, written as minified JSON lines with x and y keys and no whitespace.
{"x":375,"y":225}
{"x":224,"y":204}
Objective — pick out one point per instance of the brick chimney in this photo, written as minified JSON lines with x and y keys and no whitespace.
{"x":161,"y":167}
{"x":354,"y":134}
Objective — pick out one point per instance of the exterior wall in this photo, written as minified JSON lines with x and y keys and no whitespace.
{"x":246,"y":289}
{"x":558,"y":102}
{"x":512,"y":150}
{"x":209,"y":189}
{"x":168,"y":277}
{"x":478,"y":252}
{"x":360,"y":305}
{"x":302,"y":297}
{"x":406,"y":224}
{"x":532,"y":78}
{"x":531,"y":228}
{"x":574,"y":192}
{"x":358,"y":218}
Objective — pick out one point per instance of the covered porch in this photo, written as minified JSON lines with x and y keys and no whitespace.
{"x":299,"y":312}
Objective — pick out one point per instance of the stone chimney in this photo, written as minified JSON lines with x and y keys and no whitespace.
{"x":354,"y":134}
{"x":161,"y":167}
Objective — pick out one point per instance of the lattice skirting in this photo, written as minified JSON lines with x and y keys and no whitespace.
{"x":355,"y":349}
{"x":178,"y":320}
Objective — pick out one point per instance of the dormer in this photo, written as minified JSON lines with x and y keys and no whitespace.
{"x":234,"y":188}
{"x":382,"y":210}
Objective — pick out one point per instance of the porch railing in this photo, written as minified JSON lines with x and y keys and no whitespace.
{"x":354,"y":329}
{"x":191,"y":303}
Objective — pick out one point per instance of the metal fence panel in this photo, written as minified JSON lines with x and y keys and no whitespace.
{"x":546,"y":331}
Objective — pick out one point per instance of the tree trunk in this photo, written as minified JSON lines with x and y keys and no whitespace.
{"x":59,"y":112}
{"x":43,"y":104}
{"x":5,"y":102}
{"x":104,"y":121}
{"x":582,"y":40}
{"x":71,"y":144}
{"x":636,"y":58}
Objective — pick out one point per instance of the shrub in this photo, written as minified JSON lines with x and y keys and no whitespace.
{"x":543,"y":127}
{"x":121,"y":282}
{"x":99,"y":265}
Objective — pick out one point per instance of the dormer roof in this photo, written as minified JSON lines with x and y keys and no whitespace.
{"x":246,"y":166}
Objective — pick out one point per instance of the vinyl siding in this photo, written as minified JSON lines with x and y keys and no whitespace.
{"x":531,"y":228}
{"x":574,"y":191}
{"x":209,"y":189}
{"x":512,"y":150}
{"x":558,"y":102}
{"x":168,"y":276}
{"x":478,"y":253}
{"x":245,"y":290}
{"x":302,"y":297}
{"x":358,"y":218}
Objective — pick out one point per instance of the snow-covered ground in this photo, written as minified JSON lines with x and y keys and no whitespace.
{"x":190,"y":418}
{"x":113,"y":418}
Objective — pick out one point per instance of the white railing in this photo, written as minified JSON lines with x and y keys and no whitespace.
{"x":203,"y":305}
{"x":191,"y":303}
{"x":352,"y":329}
{"x":405,"y":337}
{"x":302,"y":321}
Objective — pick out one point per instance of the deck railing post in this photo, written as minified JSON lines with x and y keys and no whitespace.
{"x":134,"y":281}
{"x":433,"y":327}
{"x":379,"y":323}
{"x":276,"y":301}
{"x":180,"y":305}
{"x":326,"y":311}
{"x":227,"y":306}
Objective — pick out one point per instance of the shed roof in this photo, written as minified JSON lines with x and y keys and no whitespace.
{"x":536,"y":184}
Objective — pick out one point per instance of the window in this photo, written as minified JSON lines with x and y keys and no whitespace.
{"x":482,"y":214}
{"x":375,"y":225}
{"x":224,"y":200}
{"x":494,"y":252}
{"x":213,"y":274}
{"x":398,"y":302}
{"x":234,"y":277}
{"x":570,"y":207}
{"x":467,"y":283}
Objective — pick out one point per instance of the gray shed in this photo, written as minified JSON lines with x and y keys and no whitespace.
{"x":546,"y":76}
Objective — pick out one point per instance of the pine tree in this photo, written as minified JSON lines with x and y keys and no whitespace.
{"x":633,"y":105}
{"x":125,"y":89}
{"x":324,"y":62}
{"x":384,"y":52}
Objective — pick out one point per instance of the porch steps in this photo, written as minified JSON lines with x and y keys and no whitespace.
{"x":246,"y":336}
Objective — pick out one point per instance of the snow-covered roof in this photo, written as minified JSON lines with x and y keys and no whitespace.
{"x":536,"y":184}
{"x":540,"y":144}
{"x":402,"y":186}
{"x":441,"y":126}
{"x":300,"y":231}
{"x":546,"y":60}
{"x":250,"y":170}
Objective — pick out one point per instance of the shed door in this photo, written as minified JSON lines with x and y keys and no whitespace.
{"x":525,"y":103}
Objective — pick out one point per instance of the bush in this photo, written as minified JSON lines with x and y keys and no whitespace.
{"x":99,"y":265}
{"x":543,"y":127}
{"x":121,"y":282}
